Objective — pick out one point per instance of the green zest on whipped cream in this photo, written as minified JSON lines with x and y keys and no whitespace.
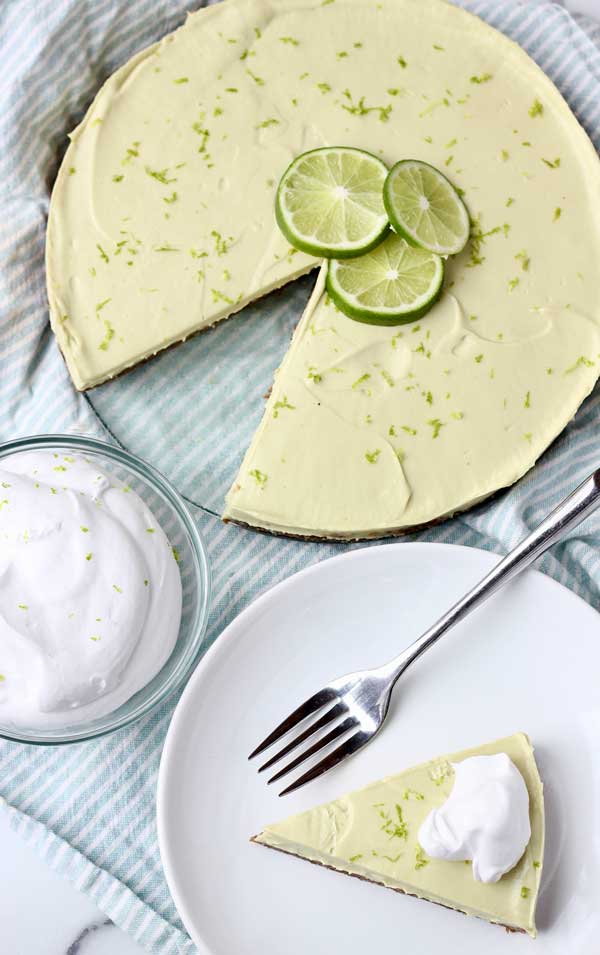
{"x":90,"y":603}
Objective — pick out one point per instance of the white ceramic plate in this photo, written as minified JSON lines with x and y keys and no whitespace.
{"x":529,"y":660}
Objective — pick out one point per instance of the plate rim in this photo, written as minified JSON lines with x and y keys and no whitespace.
{"x":223,"y":642}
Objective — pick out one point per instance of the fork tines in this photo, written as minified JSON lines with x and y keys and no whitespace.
{"x":310,"y":708}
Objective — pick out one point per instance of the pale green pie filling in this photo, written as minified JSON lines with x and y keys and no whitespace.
{"x":162,"y":223}
{"x":372,"y":833}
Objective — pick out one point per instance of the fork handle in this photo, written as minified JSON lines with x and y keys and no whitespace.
{"x":574,"y":509}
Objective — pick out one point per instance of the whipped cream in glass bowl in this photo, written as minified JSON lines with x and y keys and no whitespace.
{"x":104,"y":589}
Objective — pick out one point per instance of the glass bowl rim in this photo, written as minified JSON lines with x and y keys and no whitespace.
{"x":152,"y":476}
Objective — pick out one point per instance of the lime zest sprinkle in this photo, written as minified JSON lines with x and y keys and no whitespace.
{"x":428,"y":397}
{"x":478,"y":359}
{"x":420,"y":860}
{"x":509,"y":202}
{"x":161,"y":175}
{"x":260,"y":477}
{"x":359,"y":381}
{"x":355,"y":858}
{"x":527,"y":402}
{"x":437,"y":426}
{"x":395,"y":830}
{"x":552,"y":163}
{"x":284,"y":403}
{"x":414,"y":793}
{"x":170,"y":199}
{"x":231,"y":89}
{"x":557,"y":214}
{"x":505,"y":155}
{"x":314,"y":375}
{"x":393,"y":858}
{"x":166,"y":247}
{"x":372,"y":456}
{"x":536,"y":109}
{"x":109,"y":334}
{"x":433,"y":106}
{"x":482,"y":78}
{"x":22,"y":606}
{"x":290,"y":39}
{"x":392,"y":431}
{"x":387,"y":378}
{"x":150,"y":530}
{"x":221,"y":244}
{"x":513,"y":284}
{"x":118,"y":589}
{"x":409,"y":430}
{"x":95,"y":638}
{"x":441,"y":49}
{"x":524,"y":259}
{"x":181,"y":79}
{"x":402,"y":62}
{"x":219,"y":296}
{"x":360,"y":108}
{"x":267,"y":122}
{"x":582,"y":362}
{"x":257,"y":79}
{"x":537,"y":865}
{"x":117,"y":177}
{"x":528,"y":436}
{"x":457,"y":415}
{"x":88,"y":556}
{"x":103,"y":254}
{"x":524,"y":892}
{"x":101,"y":305}
{"x":2,"y":678}
{"x":324,"y":87}
{"x":176,"y":555}
{"x":145,"y":581}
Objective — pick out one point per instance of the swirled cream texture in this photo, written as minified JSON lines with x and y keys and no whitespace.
{"x":485,"y":819}
{"x":90,"y":592}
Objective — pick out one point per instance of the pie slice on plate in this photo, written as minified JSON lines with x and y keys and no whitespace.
{"x":372,"y":834}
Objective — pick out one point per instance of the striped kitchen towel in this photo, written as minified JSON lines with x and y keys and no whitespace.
{"x":89,"y":808}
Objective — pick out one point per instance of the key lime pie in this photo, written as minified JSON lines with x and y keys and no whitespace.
{"x":162,"y":223}
{"x":464,"y":830}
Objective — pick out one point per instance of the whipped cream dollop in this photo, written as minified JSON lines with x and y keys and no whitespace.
{"x":485,"y":819}
{"x":90,"y":592}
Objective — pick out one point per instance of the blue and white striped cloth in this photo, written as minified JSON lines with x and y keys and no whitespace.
{"x":89,"y":808}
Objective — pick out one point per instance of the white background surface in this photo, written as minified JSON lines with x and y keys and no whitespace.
{"x":40,"y":913}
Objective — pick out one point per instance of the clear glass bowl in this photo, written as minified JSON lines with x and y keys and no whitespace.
{"x":177,"y":522}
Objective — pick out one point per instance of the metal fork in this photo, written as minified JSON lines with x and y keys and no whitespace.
{"x":361,"y":700}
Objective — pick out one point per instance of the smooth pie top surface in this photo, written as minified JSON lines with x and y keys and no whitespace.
{"x":162,"y":223}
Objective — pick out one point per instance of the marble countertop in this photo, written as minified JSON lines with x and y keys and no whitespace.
{"x":42,"y":914}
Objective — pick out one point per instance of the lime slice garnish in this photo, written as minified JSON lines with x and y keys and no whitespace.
{"x":330,"y":202}
{"x":394,"y":283}
{"x":425,"y":208}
